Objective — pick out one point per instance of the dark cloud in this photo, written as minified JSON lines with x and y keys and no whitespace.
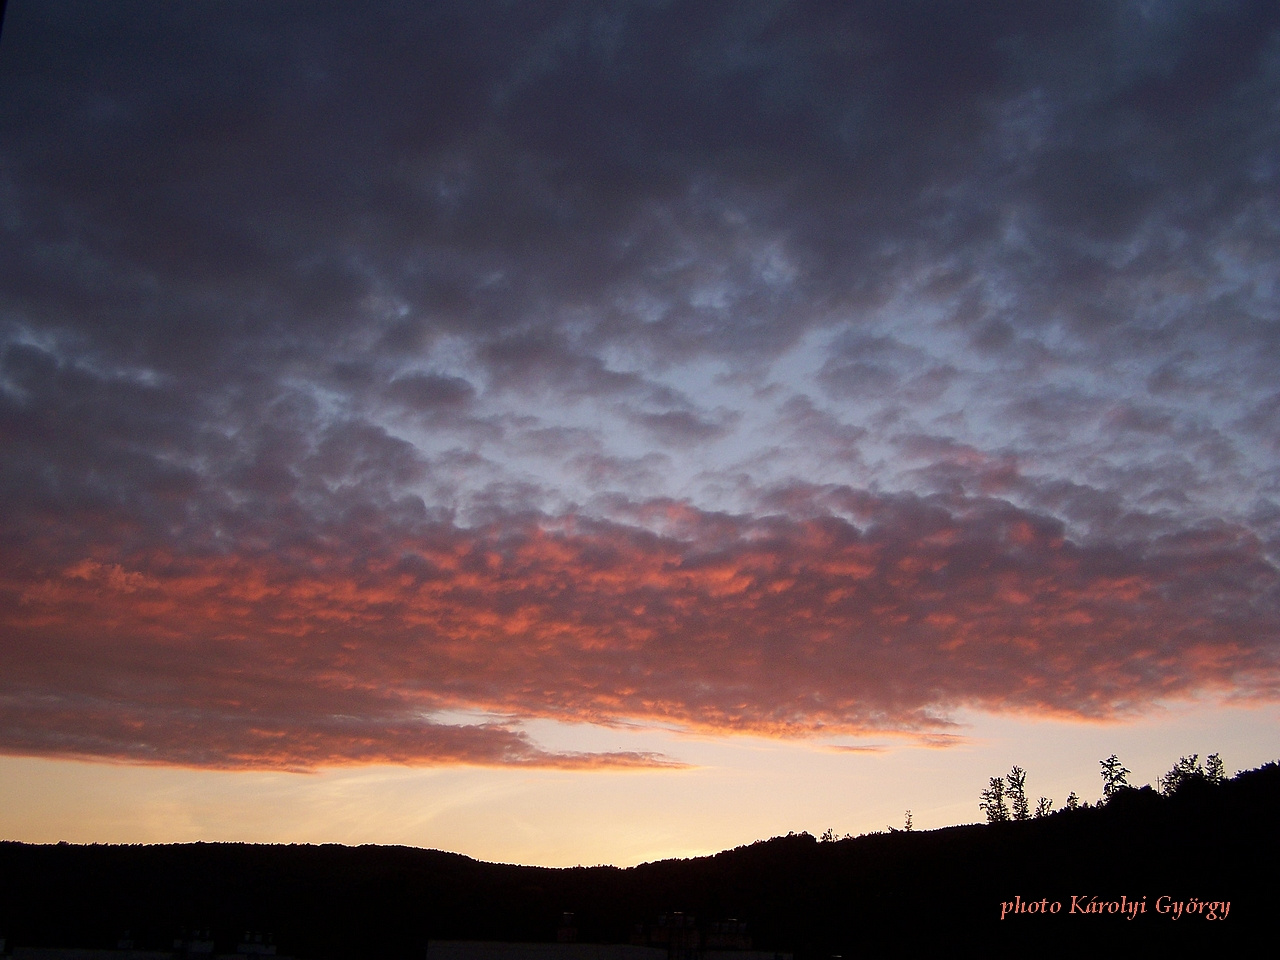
{"x":426,"y":392}
{"x":542,"y":361}
{"x":774,"y":366}
{"x":200,"y":734}
{"x":681,"y":428}
{"x":873,"y":367}
{"x":821,"y":428}
{"x":603,"y":472}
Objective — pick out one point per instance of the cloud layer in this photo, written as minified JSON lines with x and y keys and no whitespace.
{"x":783,"y":368}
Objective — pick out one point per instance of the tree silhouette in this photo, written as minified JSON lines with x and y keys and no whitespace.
{"x":1189,"y":770}
{"x":1114,"y":776}
{"x":1044,"y":807}
{"x":1017,"y":794}
{"x":992,"y":802}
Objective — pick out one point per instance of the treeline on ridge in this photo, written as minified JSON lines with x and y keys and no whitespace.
{"x":1005,"y":799}
{"x":893,"y":893}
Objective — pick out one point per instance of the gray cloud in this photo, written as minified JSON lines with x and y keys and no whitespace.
{"x":276,"y":282}
{"x":428,"y":392}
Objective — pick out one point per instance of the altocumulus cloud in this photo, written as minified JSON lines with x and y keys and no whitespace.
{"x":779,"y":368}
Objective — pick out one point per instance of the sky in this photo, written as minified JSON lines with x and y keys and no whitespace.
{"x":576,"y":432}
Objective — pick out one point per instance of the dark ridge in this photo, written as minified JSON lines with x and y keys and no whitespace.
{"x":897,"y":893}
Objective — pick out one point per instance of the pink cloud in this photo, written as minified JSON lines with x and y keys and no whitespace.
{"x":341,"y":650}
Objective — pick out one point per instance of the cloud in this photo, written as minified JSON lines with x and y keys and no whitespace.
{"x":200,"y":735}
{"x":861,"y":366}
{"x":786,"y":368}
{"x":614,"y":473}
{"x":427,"y":392}
{"x":679,"y":428}
{"x":768,"y":626}
{"x":851,"y":748}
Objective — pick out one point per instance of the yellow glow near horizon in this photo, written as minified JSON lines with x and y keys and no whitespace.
{"x":737,"y":791}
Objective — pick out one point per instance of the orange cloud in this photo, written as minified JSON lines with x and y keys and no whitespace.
{"x":339,"y":650}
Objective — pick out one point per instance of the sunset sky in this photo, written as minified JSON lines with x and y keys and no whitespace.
{"x":592,"y":432}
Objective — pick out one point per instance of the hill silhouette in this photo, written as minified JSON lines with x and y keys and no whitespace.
{"x":897,"y":893}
